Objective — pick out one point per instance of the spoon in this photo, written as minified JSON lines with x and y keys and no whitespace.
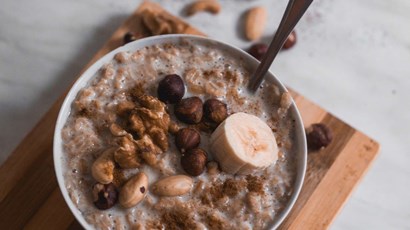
{"x":293,"y":13}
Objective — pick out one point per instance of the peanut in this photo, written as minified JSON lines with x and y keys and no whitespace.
{"x":255,"y":22}
{"x":173,"y":186}
{"x":103,"y":168}
{"x":211,"y":6}
{"x":134,"y":190}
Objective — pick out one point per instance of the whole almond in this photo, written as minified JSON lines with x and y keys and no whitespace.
{"x":255,"y":22}
{"x":211,"y":6}
{"x":173,"y":185}
{"x":134,"y":190}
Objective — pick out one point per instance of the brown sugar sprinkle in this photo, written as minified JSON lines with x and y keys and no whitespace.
{"x":254,"y":184}
{"x":218,"y":190}
{"x":214,"y":222}
{"x":177,"y":219}
{"x":232,"y":77}
{"x":210,"y":73}
{"x":152,"y":224}
{"x":231,"y":187}
{"x":137,"y":90}
{"x":212,"y":194}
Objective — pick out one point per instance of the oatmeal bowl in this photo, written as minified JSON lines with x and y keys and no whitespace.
{"x":162,"y":134}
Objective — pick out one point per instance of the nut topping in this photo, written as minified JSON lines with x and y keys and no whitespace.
{"x":189,"y":110}
{"x":126,"y":154}
{"x":171,"y":89}
{"x":117,"y":131}
{"x":194,"y":161}
{"x":173,"y":186}
{"x":215,"y":111}
{"x":102,"y":169}
{"x":104,"y":195}
{"x":186,"y":139}
{"x":134,"y":190}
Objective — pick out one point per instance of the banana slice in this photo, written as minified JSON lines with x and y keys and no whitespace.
{"x":243,"y":143}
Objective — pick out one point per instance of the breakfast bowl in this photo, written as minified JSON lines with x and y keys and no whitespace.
{"x":136,"y":147}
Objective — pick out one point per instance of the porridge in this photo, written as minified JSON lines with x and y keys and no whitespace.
{"x":162,"y":138}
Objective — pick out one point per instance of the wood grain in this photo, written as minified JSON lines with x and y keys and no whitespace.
{"x":30,"y":197}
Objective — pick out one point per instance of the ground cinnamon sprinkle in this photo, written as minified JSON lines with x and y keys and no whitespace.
{"x":214,"y":222}
{"x":153,"y":224}
{"x":137,"y":90}
{"x":231,"y":187}
{"x":119,"y":177}
{"x":216,"y":191}
{"x":254,"y":184}
{"x":177,"y":219}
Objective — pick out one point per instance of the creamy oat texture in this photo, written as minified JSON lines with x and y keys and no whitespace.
{"x":217,"y":200}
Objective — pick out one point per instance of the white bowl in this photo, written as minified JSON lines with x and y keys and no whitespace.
{"x":299,"y":142}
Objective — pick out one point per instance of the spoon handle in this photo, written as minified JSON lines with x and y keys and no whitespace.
{"x":293,"y":13}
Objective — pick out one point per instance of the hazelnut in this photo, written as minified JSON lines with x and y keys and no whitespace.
{"x":171,"y":89}
{"x":290,"y":41}
{"x":104,"y":195}
{"x":102,"y":169}
{"x":187,"y":139}
{"x":258,"y":50}
{"x":189,"y":110}
{"x":173,"y":127}
{"x":130,"y":37}
{"x":318,"y":136}
{"x":215,"y":111}
{"x":194,"y":161}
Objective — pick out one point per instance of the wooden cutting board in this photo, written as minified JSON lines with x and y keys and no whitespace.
{"x":30,"y":197}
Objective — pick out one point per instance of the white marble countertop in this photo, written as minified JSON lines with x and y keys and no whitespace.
{"x":352,"y":58}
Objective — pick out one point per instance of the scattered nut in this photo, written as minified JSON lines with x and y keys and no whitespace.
{"x":159,"y":137}
{"x":257,"y":50}
{"x":212,"y":167}
{"x":215,"y":111}
{"x":126,"y":154}
{"x":318,"y":136}
{"x":125,"y":107}
{"x":153,"y":113}
{"x":290,"y":41}
{"x":148,"y":150}
{"x":211,"y":6}
{"x":173,"y":127}
{"x":194,"y":161}
{"x":186,"y":139}
{"x":130,"y":37}
{"x":189,"y":110}
{"x":102,"y":169}
{"x":134,"y":190}
{"x":255,"y":23}
{"x":171,"y":89}
{"x":136,"y":125}
{"x":173,"y":186}
{"x":104,"y":195}
{"x":117,"y":131}
{"x":158,"y":23}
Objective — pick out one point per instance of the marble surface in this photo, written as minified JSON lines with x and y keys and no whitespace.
{"x":352,"y":58}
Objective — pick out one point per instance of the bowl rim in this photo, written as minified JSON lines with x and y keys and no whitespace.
{"x":88,"y":74}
